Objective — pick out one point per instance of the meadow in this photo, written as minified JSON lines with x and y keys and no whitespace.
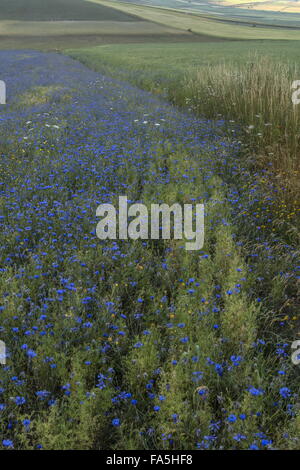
{"x":123,"y":344}
{"x":60,"y":24}
{"x":135,"y":345}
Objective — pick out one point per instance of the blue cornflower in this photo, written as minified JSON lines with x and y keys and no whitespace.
{"x":184,"y":340}
{"x":26,"y":423}
{"x":232,"y":418}
{"x":7,"y":443}
{"x":116,"y":422}
{"x":31,"y":353}
{"x":255,"y":391}
{"x":285,"y":392}
{"x":20,"y":401}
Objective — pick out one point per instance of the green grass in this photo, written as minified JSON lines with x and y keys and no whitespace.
{"x":62,"y":42}
{"x":160,"y":67}
{"x":154,"y":60}
{"x":101,"y":28}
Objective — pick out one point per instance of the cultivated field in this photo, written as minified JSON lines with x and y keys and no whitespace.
{"x":65,"y":23}
{"x":59,"y":10}
{"x":105,"y":28}
{"x":55,"y":25}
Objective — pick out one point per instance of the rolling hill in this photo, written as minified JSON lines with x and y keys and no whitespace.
{"x":272,"y":12}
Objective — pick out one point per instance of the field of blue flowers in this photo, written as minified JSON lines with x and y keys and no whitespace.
{"x":136,"y":344}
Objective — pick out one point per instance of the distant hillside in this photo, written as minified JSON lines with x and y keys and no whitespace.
{"x":272,"y":12}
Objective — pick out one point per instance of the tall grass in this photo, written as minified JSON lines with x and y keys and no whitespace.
{"x":257,"y":96}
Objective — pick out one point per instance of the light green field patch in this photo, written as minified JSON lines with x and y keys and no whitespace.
{"x":41,"y":95}
{"x":65,"y":28}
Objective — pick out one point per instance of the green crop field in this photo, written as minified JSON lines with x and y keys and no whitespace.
{"x":57,"y":24}
{"x":147,"y":61}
